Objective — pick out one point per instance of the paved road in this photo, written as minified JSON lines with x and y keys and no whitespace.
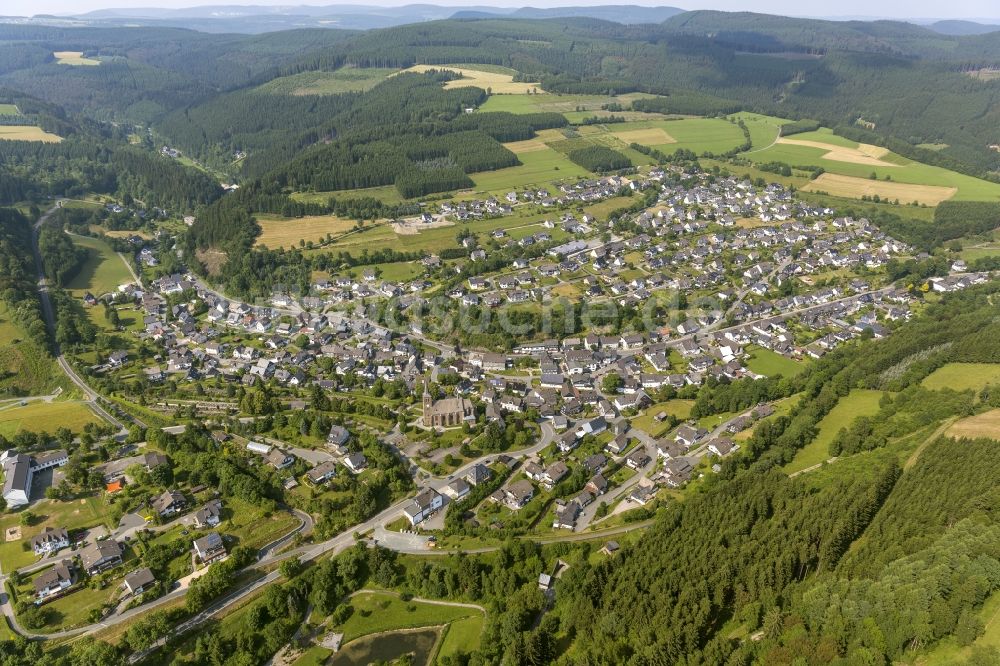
{"x":50,"y":320}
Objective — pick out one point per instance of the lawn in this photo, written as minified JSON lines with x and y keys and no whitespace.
{"x":314,"y":656}
{"x":859,"y":402}
{"x":102,"y":272}
{"x":677,"y":408}
{"x":346,"y":79}
{"x":75,"y":514}
{"x":251,"y":527}
{"x":39,"y":416}
{"x":462,"y":636}
{"x":963,"y":376}
{"x":74,"y":609}
{"x":27,"y":133}
{"x":768,"y":363}
{"x":279,"y":232}
{"x":380,"y":611}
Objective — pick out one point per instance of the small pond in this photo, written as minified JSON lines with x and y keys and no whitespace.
{"x":388,"y":646}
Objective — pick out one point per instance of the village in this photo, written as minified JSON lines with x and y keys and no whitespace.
{"x":566,"y":432}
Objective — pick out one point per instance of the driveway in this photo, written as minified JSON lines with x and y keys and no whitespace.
{"x":401,"y":541}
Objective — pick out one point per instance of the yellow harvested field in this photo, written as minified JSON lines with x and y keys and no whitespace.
{"x":74,"y":58}
{"x":865,"y":153}
{"x":852,"y":187}
{"x":653,"y":136}
{"x":526,"y":146}
{"x":500,"y":84}
{"x":277,"y":232}
{"x":986,"y":424}
{"x":27,"y":133}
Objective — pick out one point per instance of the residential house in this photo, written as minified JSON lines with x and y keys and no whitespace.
{"x":53,"y":581}
{"x":169,"y":503}
{"x":101,"y":556}
{"x":139,"y":581}
{"x":49,"y":540}
{"x":424,"y":505}
{"x":209,"y":548}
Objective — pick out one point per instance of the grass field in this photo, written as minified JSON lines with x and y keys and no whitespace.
{"x":768,"y":363}
{"x":279,"y":232}
{"x":461,"y":636}
{"x":103,"y":271}
{"x":986,"y":424}
{"x":387,"y":194}
{"x":538,"y":167}
{"x":763,"y":129}
{"x":497,"y":80}
{"x":39,"y":416}
{"x":963,"y":376}
{"x":75,"y":514}
{"x":859,"y":402}
{"x":74,"y":58}
{"x":346,"y":79}
{"x":9,"y":110}
{"x":27,"y":133}
{"x":571,"y":106}
{"x":379,"y":611}
{"x":843,"y":157}
{"x":314,"y":656}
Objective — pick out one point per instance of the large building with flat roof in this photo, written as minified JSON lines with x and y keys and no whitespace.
{"x":19,"y":470}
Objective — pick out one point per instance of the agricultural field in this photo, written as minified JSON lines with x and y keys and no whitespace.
{"x":963,"y":376}
{"x":9,"y":110}
{"x":849,"y":166}
{"x":287,"y":232}
{"x":499,"y":80}
{"x":852,"y":186}
{"x":74,"y":58}
{"x":344,"y":80}
{"x":859,"y":402}
{"x":103,"y":271}
{"x":27,"y":133}
{"x":986,"y":424}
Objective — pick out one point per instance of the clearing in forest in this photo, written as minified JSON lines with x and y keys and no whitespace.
{"x":27,"y":133}
{"x":854,"y":187}
{"x":499,"y":82}
{"x":986,"y":424}
{"x":74,"y":58}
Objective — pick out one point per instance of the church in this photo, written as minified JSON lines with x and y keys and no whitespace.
{"x":447,"y":412}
